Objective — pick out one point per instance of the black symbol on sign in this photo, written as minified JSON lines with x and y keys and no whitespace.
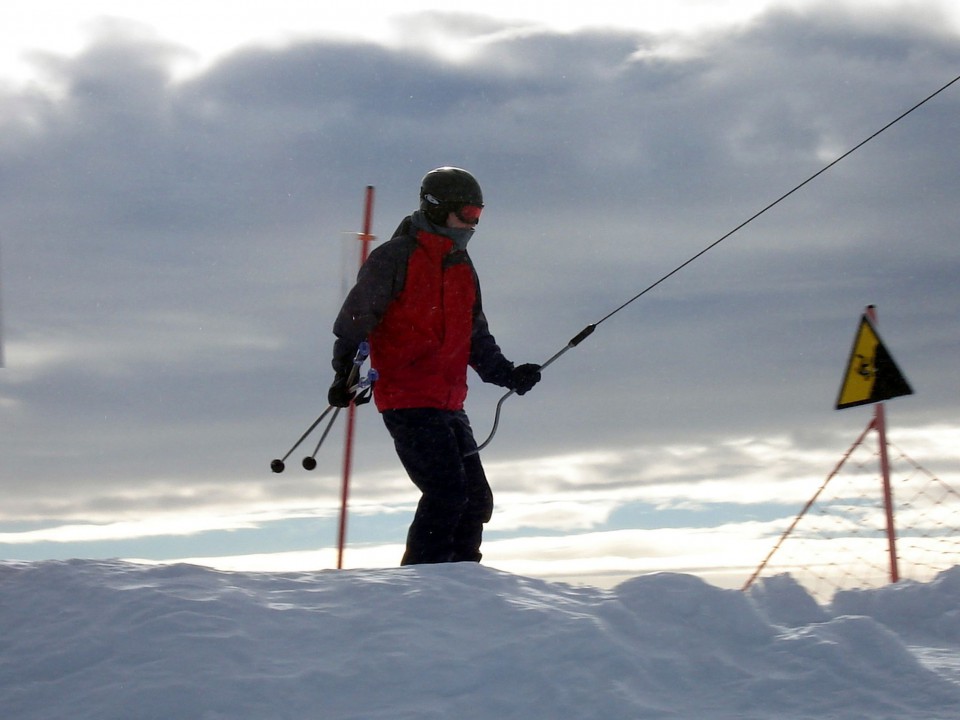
{"x":868,"y":368}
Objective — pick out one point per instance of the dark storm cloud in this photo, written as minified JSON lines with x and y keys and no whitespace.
{"x":172,"y":247}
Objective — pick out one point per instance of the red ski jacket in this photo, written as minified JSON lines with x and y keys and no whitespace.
{"x":417,"y":302}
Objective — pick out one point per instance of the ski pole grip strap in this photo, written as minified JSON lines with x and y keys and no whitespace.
{"x":582,"y":335}
{"x":363,"y":350}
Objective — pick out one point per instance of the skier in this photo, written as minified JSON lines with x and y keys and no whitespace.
{"x":417,"y":303}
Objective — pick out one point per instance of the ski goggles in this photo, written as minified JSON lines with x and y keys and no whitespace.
{"x":469,"y":214}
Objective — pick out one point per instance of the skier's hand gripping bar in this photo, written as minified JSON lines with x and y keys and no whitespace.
{"x":574,"y":341}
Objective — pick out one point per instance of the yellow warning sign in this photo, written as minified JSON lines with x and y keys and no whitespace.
{"x":872,"y":375}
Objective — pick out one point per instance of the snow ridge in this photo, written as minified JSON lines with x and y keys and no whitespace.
{"x":110,"y":640}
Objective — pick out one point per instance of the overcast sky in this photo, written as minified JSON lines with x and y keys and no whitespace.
{"x":179,"y":191}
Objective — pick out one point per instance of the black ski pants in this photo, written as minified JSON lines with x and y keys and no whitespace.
{"x":456,"y":499}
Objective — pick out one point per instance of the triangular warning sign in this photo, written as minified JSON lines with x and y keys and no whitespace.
{"x":872,"y":375}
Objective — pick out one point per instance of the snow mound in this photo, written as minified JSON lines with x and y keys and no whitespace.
{"x":112,"y":640}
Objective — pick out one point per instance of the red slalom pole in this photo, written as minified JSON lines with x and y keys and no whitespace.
{"x":880,"y":424}
{"x":365,"y":239}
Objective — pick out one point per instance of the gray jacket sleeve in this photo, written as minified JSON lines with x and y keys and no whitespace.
{"x":379,"y":281}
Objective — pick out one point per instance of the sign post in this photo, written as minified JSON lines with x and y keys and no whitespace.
{"x":872,"y":376}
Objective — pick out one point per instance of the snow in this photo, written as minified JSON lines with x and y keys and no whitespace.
{"x":112,"y":639}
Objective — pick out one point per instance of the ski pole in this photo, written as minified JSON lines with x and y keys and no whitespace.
{"x":310,"y":462}
{"x":278,"y":465}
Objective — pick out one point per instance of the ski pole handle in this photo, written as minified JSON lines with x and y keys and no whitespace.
{"x":363,"y":352}
{"x":369,"y":379}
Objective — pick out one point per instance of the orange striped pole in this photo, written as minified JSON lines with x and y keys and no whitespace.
{"x":365,"y":239}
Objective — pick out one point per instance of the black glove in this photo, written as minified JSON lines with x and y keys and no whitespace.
{"x":339,"y":395}
{"x":524,"y":377}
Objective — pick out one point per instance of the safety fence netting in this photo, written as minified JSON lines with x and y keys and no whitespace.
{"x":849,"y":537}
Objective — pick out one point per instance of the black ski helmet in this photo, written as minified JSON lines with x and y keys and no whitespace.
{"x":446,"y":190}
